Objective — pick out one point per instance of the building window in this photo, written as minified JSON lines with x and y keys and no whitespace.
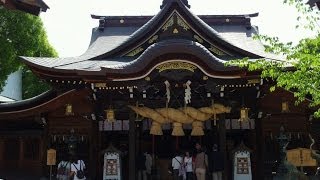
{"x":31,"y":148}
{"x":12,"y":149}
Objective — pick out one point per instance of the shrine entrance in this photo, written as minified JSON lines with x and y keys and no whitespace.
{"x":173,"y":107}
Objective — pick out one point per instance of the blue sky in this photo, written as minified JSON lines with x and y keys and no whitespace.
{"x":68,"y":22}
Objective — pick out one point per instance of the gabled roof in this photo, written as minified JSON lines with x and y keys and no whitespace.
{"x":30,"y":6}
{"x":123,"y":50}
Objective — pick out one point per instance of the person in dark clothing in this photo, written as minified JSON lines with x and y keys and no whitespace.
{"x":216,"y":163}
{"x":141,"y":166}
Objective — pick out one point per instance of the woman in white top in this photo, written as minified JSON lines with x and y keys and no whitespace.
{"x":188,"y":163}
{"x":177,"y":161}
{"x":75,"y":167}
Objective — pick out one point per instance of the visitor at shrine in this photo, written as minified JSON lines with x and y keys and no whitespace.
{"x":188,"y":163}
{"x":176,"y":163}
{"x":141,"y":166}
{"x":148,"y":164}
{"x":63,"y":169}
{"x":216,"y":164}
{"x":77,"y":169}
{"x":201,"y":163}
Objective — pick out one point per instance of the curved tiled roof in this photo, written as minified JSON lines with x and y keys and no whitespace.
{"x":101,"y":57}
{"x":145,"y":29}
{"x":28,"y":102}
{"x":121,"y":68}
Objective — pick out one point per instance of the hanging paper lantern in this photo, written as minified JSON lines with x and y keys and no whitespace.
{"x":110,"y":115}
{"x":177,"y":129}
{"x":244,"y":114}
{"x":68,"y":110}
{"x":156,"y":128}
{"x":285,"y":106}
{"x":197,"y":129}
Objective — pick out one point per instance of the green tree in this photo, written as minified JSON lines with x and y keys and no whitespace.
{"x":22,"y":34}
{"x":299,"y":70}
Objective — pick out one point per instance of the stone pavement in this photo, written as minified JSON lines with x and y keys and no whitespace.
{"x":20,"y":176}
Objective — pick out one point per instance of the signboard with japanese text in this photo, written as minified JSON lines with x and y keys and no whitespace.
{"x":112,"y":164}
{"x":301,"y":157}
{"x":51,"y":157}
{"x":242,"y":165}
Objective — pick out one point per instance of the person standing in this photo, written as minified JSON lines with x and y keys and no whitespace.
{"x":63,"y":170}
{"x":141,"y":166}
{"x":217,"y":163}
{"x":176,"y":163}
{"x":77,"y":169}
{"x":148,"y":164}
{"x":201,"y":163}
{"x":188,"y":162}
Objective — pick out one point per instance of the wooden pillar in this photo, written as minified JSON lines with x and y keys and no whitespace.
{"x":1,"y":153}
{"x":260,"y":146}
{"x":132,"y":148}
{"x":100,"y":156}
{"x":20,"y":159}
{"x":45,"y":144}
{"x":222,"y":140}
{"x":177,"y":143}
{"x":94,"y":153}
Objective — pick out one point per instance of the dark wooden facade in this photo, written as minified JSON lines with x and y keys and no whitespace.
{"x":177,"y":46}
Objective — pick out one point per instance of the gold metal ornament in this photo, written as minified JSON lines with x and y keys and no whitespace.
{"x":110,"y":115}
{"x":244,"y":114}
{"x":69,"y":110}
{"x":285,"y":106}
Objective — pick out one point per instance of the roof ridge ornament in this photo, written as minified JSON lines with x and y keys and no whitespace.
{"x":164,"y":2}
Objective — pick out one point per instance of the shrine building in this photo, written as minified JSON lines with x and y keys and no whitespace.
{"x":156,"y":84}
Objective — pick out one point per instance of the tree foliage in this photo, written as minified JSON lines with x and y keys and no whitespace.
{"x":22,"y":34}
{"x":299,"y":70}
